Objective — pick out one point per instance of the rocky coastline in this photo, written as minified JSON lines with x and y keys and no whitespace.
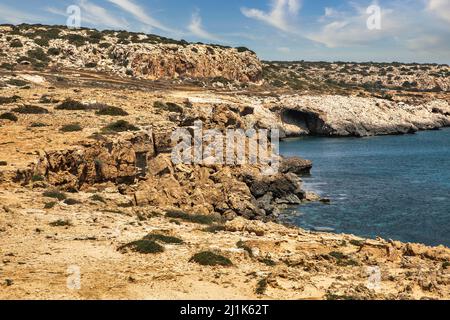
{"x":87,"y":178}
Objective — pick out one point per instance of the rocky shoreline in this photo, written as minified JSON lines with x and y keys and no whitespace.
{"x":87,"y":178}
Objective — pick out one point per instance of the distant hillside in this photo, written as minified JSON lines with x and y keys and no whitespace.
{"x":369,"y":76}
{"x":123,"y":53}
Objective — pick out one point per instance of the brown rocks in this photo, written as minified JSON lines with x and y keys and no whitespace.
{"x":240,"y":224}
{"x":296,"y":165}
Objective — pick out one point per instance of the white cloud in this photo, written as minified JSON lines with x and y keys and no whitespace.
{"x":93,"y":12}
{"x":139,"y":14}
{"x":344,"y":29}
{"x":283,"y":11}
{"x":94,"y":15}
{"x":14,"y":16}
{"x":284,"y":49}
{"x":440,"y":8}
{"x":196,"y":28}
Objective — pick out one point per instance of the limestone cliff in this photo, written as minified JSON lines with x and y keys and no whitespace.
{"x":125,"y":54}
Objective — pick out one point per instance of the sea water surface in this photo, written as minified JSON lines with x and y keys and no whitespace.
{"x":395,"y":187}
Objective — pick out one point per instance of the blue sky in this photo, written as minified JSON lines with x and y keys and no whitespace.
{"x":410,"y":30}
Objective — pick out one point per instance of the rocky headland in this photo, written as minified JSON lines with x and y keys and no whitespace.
{"x":87,"y":179}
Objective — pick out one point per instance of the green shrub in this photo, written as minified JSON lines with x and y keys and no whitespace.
{"x":9,"y":116}
{"x":43,"y":42}
{"x":71,"y":202}
{"x":38,"y":54}
{"x":268,"y":262}
{"x":37,"y":125}
{"x":37,"y":178}
{"x":119,"y":126}
{"x":6,"y":100}
{"x":50,"y":205}
{"x":74,"y":127}
{"x":17,"y":82}
{"x":342,"y":259}
{"x":244,"y":49}
{"x":61,"y":223}
{"x":91,"y":65}
{"x":106,"y":110}
{"x":72,"y":105}
{"x":163,"y":238}
{"x":7,"y":66}
{"x":55,"y":195}
{"x":261,"y":286}
{"x":142,"y":246}
{"x":16,"y":43}
{"x":76,"y":39}
{"x":98,"y":198}
{"x":104,"y":45}
{"x":357,"y":243}
{"x":30,"y":109}
{"x":208,"y":258}
{"x":194,"y":218}
{"x":53,"y":51}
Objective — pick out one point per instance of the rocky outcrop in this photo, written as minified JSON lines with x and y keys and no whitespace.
{"x":146,"y":171}
{"x":127,"y":54}
{"x":194,"y":61}
{"x":118,"y":161}
{"x":354,"y":116}
{"x":228,"y":191}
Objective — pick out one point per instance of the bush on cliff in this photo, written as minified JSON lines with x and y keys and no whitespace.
{"x":16,"y":43}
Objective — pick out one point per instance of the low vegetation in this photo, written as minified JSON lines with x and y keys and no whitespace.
{"x":261,"y":286}
{"x":193,"y":218}
{"x":17,"y":82}
{"x":74,"y":127}
{"x":214,"y":228}
{"x":38,"y":125}
{"x":71,"y":202}
{"x":61,"y":223}
{"x":30,"y":109}
{"x":50,"y":205}
{"x":9,"y":116}
{"x":342,"y":259}
{"x":55,"y":194}
{"x":72,"y":105}
{"x":98,"y":198}
{"x":142,"y":246}
{"x":208,"y":258}
{"x":7,"y":100}
{"x":163,"y":238}
{"x":105,"y":110}
{"x":168,"y":106}
{"x":119,"y":126}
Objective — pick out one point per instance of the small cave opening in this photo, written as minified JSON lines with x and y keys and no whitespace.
{"x":308,"y":122}
{"x":141,"y":164}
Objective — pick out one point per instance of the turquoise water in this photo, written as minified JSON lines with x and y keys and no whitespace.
{"x":395,"y":187}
